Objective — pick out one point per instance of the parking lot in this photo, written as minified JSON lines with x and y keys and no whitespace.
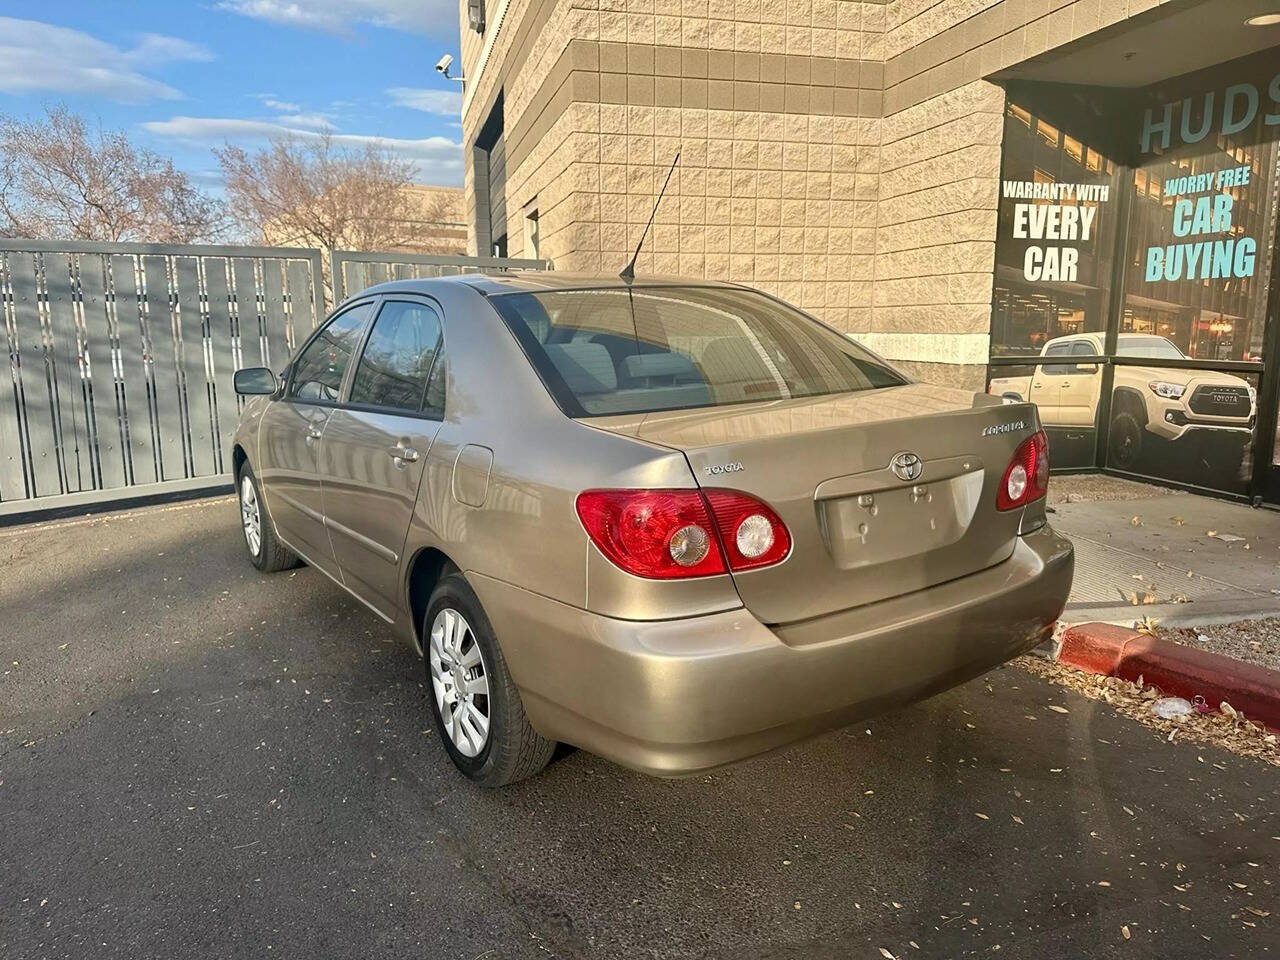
{"x":199,"y":760}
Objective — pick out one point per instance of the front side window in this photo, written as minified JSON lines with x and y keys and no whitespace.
{"x":1057,"y":350}
{"x":398,"y":359}
{"x":319,"y":369}
{"x":623,"y":350}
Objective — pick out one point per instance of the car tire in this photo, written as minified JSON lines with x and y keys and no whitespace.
{"x":1124,"y":441}
{"x":269,"y":554}
{"x":461,"y":656}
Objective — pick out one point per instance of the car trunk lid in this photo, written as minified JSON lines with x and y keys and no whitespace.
{"x":861,"y":531}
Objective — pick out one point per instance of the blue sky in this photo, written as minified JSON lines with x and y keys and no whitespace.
{"x":183,"y":76}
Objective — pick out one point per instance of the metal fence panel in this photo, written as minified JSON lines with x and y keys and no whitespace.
{"x":99,"y":374}
{"x":69,"y":425}
{"x":13,"y":474}
{"x":353,"y":271}
{"x":222,"y":357}
{"x":121,"y":361}
{"x":196,"y":387}
{"x":161,"y":356}
{"x":248,"y":324}
{"x":122,"y":356}
{"x":303,"y":315}
{"x":131,"y":372}
{"x":34,"y":382}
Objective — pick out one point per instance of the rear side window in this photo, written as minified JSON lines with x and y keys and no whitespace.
{"x":398,"y":358}
{"x":636,"y":350}
{"x":318,"y":371}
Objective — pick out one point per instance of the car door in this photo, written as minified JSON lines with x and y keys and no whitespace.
{"x":376,"y":444}
{"x":291,"y":429}
{"x":1046,"y":384}
{"x":1078,"y":396}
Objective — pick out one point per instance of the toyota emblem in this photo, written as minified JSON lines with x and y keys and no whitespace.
{"x":906,"y":466}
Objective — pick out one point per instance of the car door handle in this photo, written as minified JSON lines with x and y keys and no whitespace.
{"x":406,"y":454}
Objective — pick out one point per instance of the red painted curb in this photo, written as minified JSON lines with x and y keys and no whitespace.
{"x":1177,"y":670}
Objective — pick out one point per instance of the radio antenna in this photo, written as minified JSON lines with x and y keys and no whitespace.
{"x":629,"y":271}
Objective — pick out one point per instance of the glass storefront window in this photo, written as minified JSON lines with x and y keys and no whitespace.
{"x":1180,"y":181}
{"x":1056,"y":233}
{"x":1199,"y":241}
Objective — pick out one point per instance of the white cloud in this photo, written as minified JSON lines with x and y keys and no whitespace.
{"x":438,"y":159}
{"x":339,"y":16}
{"x":38,"y":56}
{"x":156,"y":47}
{"x":312,"y":121}
{"x":270,"y":100}
{"x":443,"y":102}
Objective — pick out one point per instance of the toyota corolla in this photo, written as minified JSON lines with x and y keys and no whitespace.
{"x":673,"y":523}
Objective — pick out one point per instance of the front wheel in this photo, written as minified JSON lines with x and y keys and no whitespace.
{"x":1125,"y":441}
{"x":476,"y":706}
{"x":266,"y":552}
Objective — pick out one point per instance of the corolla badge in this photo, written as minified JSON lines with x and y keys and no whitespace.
{"x":998,"y":428}
{"x":906,"y":466}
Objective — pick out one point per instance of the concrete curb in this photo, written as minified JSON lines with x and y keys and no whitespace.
{"x":1177,"y":670}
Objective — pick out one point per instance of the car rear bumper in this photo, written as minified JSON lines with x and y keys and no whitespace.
{"x":681,"y":696}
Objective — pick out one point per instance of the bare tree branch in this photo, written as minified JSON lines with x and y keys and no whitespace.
{"x":314,"y":193}
{"x":61,"y":181}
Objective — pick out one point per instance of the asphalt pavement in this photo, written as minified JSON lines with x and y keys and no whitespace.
{"x":197,"y":760}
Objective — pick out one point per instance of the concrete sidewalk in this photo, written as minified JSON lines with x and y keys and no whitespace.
{"x":1144,"y":551}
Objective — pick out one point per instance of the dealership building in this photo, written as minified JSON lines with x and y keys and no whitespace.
{"x":962,"y":185}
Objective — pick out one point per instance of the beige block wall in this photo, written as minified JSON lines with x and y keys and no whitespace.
{"x":843,"y":155}
{"x":936,"y":229}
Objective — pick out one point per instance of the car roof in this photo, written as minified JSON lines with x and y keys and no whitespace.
{"x":539,"y":281}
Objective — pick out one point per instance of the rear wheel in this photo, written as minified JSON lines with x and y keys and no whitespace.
{"x":476,"y":706}
{"x":266,"y":552}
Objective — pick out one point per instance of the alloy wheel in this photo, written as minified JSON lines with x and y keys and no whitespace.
{"x":459,"y":681}
{"x":250,"y":515}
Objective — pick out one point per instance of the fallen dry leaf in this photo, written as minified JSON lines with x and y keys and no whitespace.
{"x":1132,"y":700}
{"x":1125,"y":931}
{"x":1147,"y":625}
{"x":886,"y":954}
{"x":1057,"y":709}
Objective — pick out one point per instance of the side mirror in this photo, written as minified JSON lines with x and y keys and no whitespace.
{"x":255,"y":381}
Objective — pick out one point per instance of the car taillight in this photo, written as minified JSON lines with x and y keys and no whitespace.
{"x":1026,"y":479}
{"x":674,"y":534}
{"x":660,"y":534}
{"x":752,"y":534}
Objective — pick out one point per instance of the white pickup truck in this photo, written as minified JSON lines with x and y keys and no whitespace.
{"x":1149,"y":405}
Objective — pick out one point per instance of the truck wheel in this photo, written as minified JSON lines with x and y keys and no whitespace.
{"x":266,"y":552}
{"x":1124,"y":441}
{"x":476,"y":706}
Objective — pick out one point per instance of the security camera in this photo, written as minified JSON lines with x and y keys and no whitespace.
{"x":444,"y":64}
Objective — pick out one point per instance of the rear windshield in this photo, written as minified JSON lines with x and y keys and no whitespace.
{"x":673,"y":348}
